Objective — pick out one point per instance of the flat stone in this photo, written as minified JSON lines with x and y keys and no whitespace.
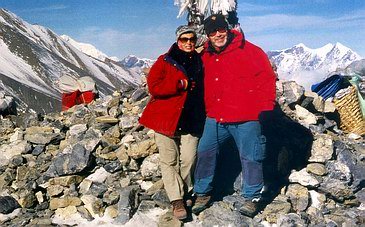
{"x":142,"y":149}
{"x":56,"y":203}
{"x":54,"y":190}
{"x":317,"y":169}
{"x":65,"y":180}
{"x":107,"y":119}
{"x":304,"y":178}
{"x":41,"y":137}
{"x":278,"y":207}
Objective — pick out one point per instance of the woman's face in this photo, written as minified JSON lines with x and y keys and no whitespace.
{"x":186,"y":42}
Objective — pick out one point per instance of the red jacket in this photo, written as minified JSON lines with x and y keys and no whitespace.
{"x":163,"y":111}
{"x":239,"y":81}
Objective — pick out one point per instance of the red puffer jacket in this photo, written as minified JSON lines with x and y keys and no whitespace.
{"x":163,"y":111}
{"x":239,"y":81}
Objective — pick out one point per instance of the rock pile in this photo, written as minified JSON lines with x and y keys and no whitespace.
{"x":95,"y":165}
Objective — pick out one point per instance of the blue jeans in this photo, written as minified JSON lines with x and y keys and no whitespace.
{"x":251,"y":146}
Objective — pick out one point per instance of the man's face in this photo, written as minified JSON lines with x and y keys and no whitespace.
{"x":218,"y":38}
{"x":186,"y":42}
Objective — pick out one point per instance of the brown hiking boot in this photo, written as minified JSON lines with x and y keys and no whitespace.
{"x":250,"y":208}
{"x":178,"y":209}
{"x":201,"y":203}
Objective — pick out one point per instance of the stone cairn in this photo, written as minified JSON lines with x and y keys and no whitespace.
{"x":94,"y":165}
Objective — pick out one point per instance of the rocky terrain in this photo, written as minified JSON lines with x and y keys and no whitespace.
{"x":95,"y":165}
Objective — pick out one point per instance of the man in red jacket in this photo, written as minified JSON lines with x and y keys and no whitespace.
{"x":239,"y":89}
{"x":176,"y":113}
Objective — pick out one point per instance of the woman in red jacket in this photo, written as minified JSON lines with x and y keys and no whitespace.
{"x":176,"y":113}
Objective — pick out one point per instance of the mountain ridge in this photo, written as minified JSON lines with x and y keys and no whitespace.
{"x":36,"y":57}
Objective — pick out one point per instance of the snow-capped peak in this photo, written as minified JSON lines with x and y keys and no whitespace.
{"x":132,"y":61}
{"x":322,"y":51}
{"x":295,"y":62}
{"x":87,"y":49}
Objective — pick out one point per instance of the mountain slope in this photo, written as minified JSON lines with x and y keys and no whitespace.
{"x":35,"y":57}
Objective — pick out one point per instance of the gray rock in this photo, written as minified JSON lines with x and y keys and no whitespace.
{"x":219,"y":214}
{"x":67,"y":164}
{"x":111,"y":197}
{"x":353,"y":162}
{"x":322,"y":149}
{"x":128,"y":122}
{"x":138,"y":95}
{"x":280,"y":206}
{"x":127,"y":203}
{"x":304,"y":178}
{"x":98,"y":189}
{"x":161,"y":198}
{"x":360,"y":195}
{"x":339,"y":171}
{"x":146,"y":205}
{"x":290,"y":220}
{"x":291,"y":91}
{"x":168,"y":220}
{"x":38,"y":149}
{"x":113,"y":166}
{"x":299,"y":197}
{"x":337,"y":189}
{"x":151,"y":166}
{"x":17,"y":160}
{"x":8,"y":204}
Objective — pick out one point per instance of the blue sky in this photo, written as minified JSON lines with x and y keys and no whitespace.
{"x":146,"y":27}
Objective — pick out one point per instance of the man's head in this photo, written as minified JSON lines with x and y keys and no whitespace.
{"x":186,"y":38}
{"x":216,"y":28}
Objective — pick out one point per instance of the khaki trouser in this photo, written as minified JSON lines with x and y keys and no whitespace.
{"x":177,"y":163}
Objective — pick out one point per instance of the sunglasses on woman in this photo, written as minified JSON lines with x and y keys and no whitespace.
{"x":185,"y":39}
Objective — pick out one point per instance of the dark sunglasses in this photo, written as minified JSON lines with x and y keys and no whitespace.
{"x":185,"y":40}
{"x":220,"y":30}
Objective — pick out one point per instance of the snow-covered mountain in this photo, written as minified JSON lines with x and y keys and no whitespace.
{"x":132,"y":61}
{"x":307,"y":66}
{"x":33,"y":58}
{"x":88,"y":49}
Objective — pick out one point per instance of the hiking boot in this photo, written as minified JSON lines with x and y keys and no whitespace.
{"x":178,"y":209}
{"x":250,"y":208}
{"x":201,"y":203}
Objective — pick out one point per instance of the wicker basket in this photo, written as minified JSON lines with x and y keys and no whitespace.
{"x":350,"y":113}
